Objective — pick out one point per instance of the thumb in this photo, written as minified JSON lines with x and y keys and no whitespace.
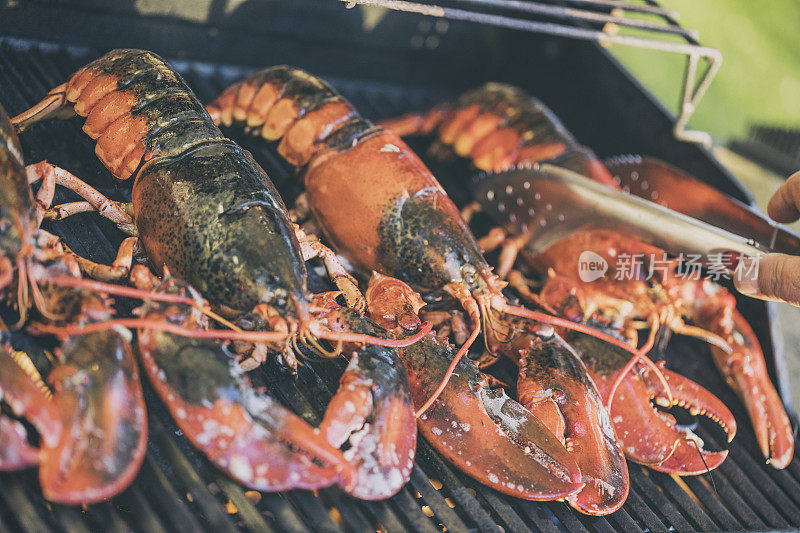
{"x":769,"y":277}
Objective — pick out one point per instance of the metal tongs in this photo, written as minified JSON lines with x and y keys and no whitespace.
{"x":551,"y":203}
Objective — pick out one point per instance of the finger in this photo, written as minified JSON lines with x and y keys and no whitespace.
{"x":784,"y":206}
{"x":770,"y":277}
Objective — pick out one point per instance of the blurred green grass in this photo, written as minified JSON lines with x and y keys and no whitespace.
{"x":760,"y":77}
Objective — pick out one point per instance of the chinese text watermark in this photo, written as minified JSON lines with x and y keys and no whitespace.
{"x":716,"y":267}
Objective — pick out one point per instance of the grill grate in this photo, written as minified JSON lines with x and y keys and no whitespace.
{"x":178,"y":490}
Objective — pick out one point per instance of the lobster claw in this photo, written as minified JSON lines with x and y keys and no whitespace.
{"x":689,"y":457}
{"x":15,"y":452}
{"x":649,"y":436}
{"x":483,"y":432}
{"x":249,"y":435}
{"x":372,"y":411}
{"x":100,"y":401}
{"x":26,"y":394}
{"x":555,"y":385}
{"x":23,"y":390}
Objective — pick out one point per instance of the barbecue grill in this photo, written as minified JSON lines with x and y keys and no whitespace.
{"x":386,"y":63}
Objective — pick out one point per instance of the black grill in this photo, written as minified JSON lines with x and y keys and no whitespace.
{"x":771,"y":146}
{"x":179,"y":490}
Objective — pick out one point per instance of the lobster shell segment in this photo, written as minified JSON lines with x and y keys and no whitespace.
{"x":100,"y":400}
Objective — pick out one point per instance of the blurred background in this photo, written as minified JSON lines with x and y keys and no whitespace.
{"x":759,"y":82}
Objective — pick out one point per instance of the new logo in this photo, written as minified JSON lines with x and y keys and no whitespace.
{"x":591,"y":266}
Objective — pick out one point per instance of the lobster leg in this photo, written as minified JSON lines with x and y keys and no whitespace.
{"x":51,"y":175}
{"x":481,"y":431}
{"x":510,"y":247}
{"x":555,"y":386}
{"x":494,"y":238}
{"x":310,"y":247}
{"x":118,"y":270}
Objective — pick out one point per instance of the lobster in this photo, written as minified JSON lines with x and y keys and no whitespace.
{"x":514,"y":129}
{"x":207,"y":213}
{"x":89,"y":449}
{"x":402,"y":224}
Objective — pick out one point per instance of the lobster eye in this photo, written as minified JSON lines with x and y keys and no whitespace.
{"x":469,"y":273}
{"x":281,"y":296}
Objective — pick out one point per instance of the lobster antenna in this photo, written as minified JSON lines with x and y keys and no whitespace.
{"x":567,"y":324}
{"x":641,"y":355}
{"x":361,"y":338}
{"x":22,"y":294}
{"x":120,"y":290}
{"x":146,"y":323}
{"x":708,"y":336}
{"x":6,"y":272}
{"x":450,"y":369}
{"x":134,"y":292}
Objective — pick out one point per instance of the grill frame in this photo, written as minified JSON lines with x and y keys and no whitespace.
{"x":28,"y":68}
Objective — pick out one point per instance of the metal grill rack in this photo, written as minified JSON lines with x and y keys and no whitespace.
{"x":590,"y":20}
{"x":178,"y":490}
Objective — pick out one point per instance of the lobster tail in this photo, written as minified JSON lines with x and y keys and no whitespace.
{"x":286,"y":103}
{"x":136,"y":107}
{"x":498,"y":127}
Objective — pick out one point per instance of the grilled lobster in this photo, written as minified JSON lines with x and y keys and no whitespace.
{"x":499,"y":127}
{"x":401,"y":223}
{"x":89,"y":449}
{"x":203,"y":209}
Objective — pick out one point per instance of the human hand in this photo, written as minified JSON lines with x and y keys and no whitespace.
{"x":776,"y":276}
